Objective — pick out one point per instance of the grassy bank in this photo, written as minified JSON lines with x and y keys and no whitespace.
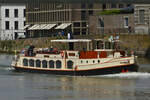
{"x":132,"y":42}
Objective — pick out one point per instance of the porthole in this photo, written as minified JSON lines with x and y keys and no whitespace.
{"x":98,"y":61}
{"x":38,"y":63}
{"x":93,"y":61}
{"x":25,"y":62}
{"x":44,"y":64}
{"x":58,"y":64}
{"x":51,"y":64}
{"x":86,"y":61}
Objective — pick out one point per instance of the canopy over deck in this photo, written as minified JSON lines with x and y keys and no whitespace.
{"x":72,"y":40}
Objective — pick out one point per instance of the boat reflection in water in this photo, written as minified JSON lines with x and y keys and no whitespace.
{"x":82,"y":88}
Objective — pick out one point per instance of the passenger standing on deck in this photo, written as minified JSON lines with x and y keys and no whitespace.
{"x":30,"y":50}
{"x":69,"y":36}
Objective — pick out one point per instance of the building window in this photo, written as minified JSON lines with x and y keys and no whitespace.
{"x":16,"y":25}
{"x":90,"y":12}
{"x":104,"y":6}
{"x":24,"y":12}
{"x":7,"y":25}
{"x":84,"y":31}
{"x":16,"y":12}
{"x":90,"y":6}
{"x":76,"y":24}
{"x":83,"y":15}
{"x":113,"y":6}
{"x":6,"y":12}
{"x":126,"y":22}
{"x":83,"y":6}
{"x":128,"y":5}
{"x":121,"y":5}
{"x":141,"y":16}
{"x":24,"y":23}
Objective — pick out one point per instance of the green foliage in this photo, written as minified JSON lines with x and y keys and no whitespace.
{"x":110,"y":12}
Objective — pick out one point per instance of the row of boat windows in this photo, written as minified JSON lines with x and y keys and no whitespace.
{"x":98,"y":61}
{"x":46,"y":64}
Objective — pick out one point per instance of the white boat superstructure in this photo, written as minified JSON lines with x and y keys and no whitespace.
{"x":73,"y":62}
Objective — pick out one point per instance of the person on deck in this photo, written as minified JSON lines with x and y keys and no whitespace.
{"x":69,"y":36}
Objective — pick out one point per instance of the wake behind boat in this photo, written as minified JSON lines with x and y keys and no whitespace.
{"x":104,"y":58}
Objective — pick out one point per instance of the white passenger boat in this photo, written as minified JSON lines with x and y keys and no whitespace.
{"x":99,"y":60}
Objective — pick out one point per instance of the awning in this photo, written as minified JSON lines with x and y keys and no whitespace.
{"x":26,"y":26}
{"x":33,"y":27}
{"x":42,"y":26}
{"x":63,"y":26}
{"x":49,"y":26}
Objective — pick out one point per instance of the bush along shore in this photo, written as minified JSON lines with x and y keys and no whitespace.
{"x":140,"y":44}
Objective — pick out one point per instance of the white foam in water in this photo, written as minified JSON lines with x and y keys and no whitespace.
{"x":9,"y":68}
{"x":129,"y":75}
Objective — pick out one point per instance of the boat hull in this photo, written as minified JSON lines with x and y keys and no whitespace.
{"x":100,"y":71}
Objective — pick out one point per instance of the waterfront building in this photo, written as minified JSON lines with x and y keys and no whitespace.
{"x":142,"y":18}
{"x":50,"y":18}
{"x":81,"y":17}
{"x":12,"y":21}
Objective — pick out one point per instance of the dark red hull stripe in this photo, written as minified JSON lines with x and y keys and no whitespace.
{"x":104,"y":71}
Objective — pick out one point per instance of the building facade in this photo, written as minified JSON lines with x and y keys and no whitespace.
{"x":108,"y":24}
{"x":67,"y":17}
{"x":142,"y":18}
{"x":12,"y":21}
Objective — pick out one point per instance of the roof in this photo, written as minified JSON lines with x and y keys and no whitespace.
{"x":76,"y":1}
{"x":71,"y":40}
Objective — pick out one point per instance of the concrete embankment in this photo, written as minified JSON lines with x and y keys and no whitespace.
{"x":138,"y":43}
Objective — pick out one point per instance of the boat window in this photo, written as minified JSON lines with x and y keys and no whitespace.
{"x":44,"y":64}
{"x":38,"y":63}
{"x":98,"y":61}
{"x":81,"y":61}
{"x":58,"y":64}
{"x":31,"y":63}
{"x":51,"y":64}
{"x":70,"y":64}
{"x":93,"y":61}
{"x":25,"y":62}
{"x":86,"y":61}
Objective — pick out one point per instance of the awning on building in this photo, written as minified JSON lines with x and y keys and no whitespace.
{"x":26,"y":26}
{"x":63,"y":26}
{"x":49,"y":26}
{"x":42,"y":26}
{"x":33,"y":27}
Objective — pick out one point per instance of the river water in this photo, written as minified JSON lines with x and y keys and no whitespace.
{"x":27,"y":86}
